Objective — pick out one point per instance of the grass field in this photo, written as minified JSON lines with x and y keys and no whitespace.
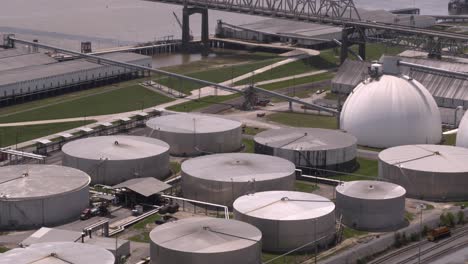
{"x":129,"y":98}
{"x":368,"y":170}
{"x":375,"y":50}
{"x":217,"y":75}
{"x":298,"y":81}
{"x":249,"y":145}
{"x":9,"y":135}
{"x":253,"y":130}
{"x":194,"y":105}
{"x":349,"y":233}
{"x":305,"y":186}
{"x":326,"y":60}
{"x":303,"y":120}
{"x":450,"y":139}
{"x":3,"y":249}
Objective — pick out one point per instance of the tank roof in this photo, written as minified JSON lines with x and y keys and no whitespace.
{"x":22,"y":182}
{"x":192,"y":123}
{"x":305,"y":138}
{"x":430,"y":158}
{"x":284,"y":205}
{"x":115,"y":147}
{"x":58,"y":253}
{"x":371,"y":190}
{"x":238,"y":167}
{"x":205,"y":235}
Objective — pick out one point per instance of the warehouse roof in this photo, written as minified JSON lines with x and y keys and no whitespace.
{"x":34,"y":72}
{"x":145,"y":186}
{"x":25,"y":60}
{"x":47,"y":235}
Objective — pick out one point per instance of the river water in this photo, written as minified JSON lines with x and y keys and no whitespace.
{"x":110,"y":23}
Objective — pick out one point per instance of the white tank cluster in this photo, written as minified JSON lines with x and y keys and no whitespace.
{"x":462,"y":134}
{"x":194,"y":134}
{"x":322,"y":149}
{"x":111,"y":160}
{"x":221,"y":178}
{"x":371,"y":205}
{"x":203,"y":240}
{"x":58,"y":252}
{"x":391,"y":110}
{"x":428,"y":172}
{"x":288,"y":219}
{"x":41,"y":195}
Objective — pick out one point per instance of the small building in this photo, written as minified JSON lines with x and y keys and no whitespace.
{"x":141,"y":190}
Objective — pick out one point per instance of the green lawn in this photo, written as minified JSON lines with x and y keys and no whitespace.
{"x":349,"y":233}
{"x":253,"y":130}
{"x":326,"y":60}
{"x":450,"y":139}
{"x":129,"y":98}
{"x":368,"y":170}
{"x":305,"y":186}
{"x":298,"y":81}
{"x":8,"y":135}
{"x":3,"y":249}
{"x":289,"y":259}
{"x":249,"y":145}
{"x":203,"y":102}
{"x":148,"y":220}
{"x":303,"y":120}
{"x":375,"y":50}
{"x":175,"y":167}
{"x":217,"y":75}
{"x":141,"y":238}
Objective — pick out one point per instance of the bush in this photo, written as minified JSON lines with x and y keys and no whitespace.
{"x":461,"y":217}
{"x":443,"y":220}
{"x":425,"y":231}
{"x":404,"y":239}
{"x":451,"y":219}
{"x":415,"y":237}
{"x":397,"y":242}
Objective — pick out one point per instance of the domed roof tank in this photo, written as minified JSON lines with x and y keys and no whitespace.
{"x":390,"y":111}
{"x":462,"y":135}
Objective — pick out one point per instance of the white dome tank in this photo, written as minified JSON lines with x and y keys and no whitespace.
{"x":221,"y":178}
{"x":288,"y":219}
{"x":427,"y":172}
{"x":321,"y":149}
{"x":371,"y":205}
{"x":111,"y":160}
{"x":33,"y":196}
{"x":204,"y":240}
{"x":57,"y":253}
{"x":462,"y":134}
{"x":391,"y":111}
{"x":195,"y":134}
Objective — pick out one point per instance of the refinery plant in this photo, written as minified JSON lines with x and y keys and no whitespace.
{"x":331,"y":135}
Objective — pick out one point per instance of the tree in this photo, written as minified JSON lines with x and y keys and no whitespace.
{"x":450,"y":219}
{"x":461,"y":217}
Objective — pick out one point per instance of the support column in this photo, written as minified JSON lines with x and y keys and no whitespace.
{"x":185,"y":27}
{"x":345,"y":43}
{"x":362,"y":50}
{"x":205,"y":29}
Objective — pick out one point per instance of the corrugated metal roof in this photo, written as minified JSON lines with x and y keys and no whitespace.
{"x":47,"y":235}
{"x":447,"y":90}
{"x":144,"y":186}
{"x":54,"y":69}
{"x":25,"y":60}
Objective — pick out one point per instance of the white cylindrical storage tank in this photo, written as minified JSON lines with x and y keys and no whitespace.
{"x":371,"y":205}
{"x":322,"y":149}
{"x":110,"y":160}
{"x":462,"y":134}
{"x":391,"y":111}
{"x":194,"y":134}
{"x":427,"y":172}
{"x":288,"y":219}
{"x":58,"y":252}
{"x":33,"y":196}
{"x":203,"y":240}
{"x":221,"y":178}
